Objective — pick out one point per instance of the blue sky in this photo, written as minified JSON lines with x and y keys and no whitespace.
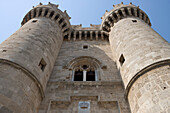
{"x":83,"y":12}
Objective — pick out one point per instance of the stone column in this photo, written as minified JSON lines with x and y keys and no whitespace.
{"x":143,"y":58}
{"x":27,"y":58}
{"x":84,"y":75}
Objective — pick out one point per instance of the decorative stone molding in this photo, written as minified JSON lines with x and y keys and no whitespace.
{"x":91,"y":64}
{"x":146,"y":69}
{"x":84,"y":84}
{"x":84,"y":59}
{"x":28,"y":73}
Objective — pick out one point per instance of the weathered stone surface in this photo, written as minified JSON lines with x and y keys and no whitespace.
{"x":151,"y":92}
{"x":104,"y":95}
{"x":120,"y":62}
{"x":127,"y":38}
{"x":138,"y":49}
{"x":27,"y":58}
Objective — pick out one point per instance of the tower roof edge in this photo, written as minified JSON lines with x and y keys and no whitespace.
{"x":121,"y":11}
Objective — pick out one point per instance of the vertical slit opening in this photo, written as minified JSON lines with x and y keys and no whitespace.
{"x":88,"y":34}
{"x":115,"y":16}
{"x":52,"y":13}
{"x":40,"y":12}
{"x":110,"y":19}
{"x":126,"y":11}
{"x":64,"y":25}
{"x":46,"y":12}
{"x":142,"y":16}
{"x":61,"y":20}
{"x":29,"y":15}
{"x":105,"y":36}
{"x":25,"y":20}
{"x":77,"y":35}
{"x":120,"y":13}
{"x":72,"y":34}
{"x":133,"y":12}
{"x":94,"y":35}
{"x":56,"y":17}
{"x":34,"y":13}
{"x":104,"y":28}
{"x":138,"y":12}
{"x":66,"y":37}
{"x":99,"y":34}
{"x":106,"y":23}
{"x":83,"y":34}
{"x":66,"y":30}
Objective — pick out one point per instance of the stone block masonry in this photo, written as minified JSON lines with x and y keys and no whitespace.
{"x":51,"y":66}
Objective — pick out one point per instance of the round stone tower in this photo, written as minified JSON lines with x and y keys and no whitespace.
{"x":142,"y":57}
{"x":27,"y":58}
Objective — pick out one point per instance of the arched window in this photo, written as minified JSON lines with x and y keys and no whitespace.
{"x":84,"y":72}
{"x":85,"y":69}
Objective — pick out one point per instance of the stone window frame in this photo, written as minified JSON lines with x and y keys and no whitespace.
{"x":90,"y":67}
{"x":85,"y":60}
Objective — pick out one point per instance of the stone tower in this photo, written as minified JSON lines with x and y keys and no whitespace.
{"x":50,"y":66}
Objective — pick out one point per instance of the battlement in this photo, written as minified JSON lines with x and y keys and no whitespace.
{"x":77,"y":32}
{"x":92,"y":27}
{"x":86,"y":33}
{"x":50,"y":11}
{"x":95,"y":69}
{"x":121,"y":11}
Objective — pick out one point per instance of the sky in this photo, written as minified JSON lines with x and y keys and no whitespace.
{"x":83,"y":12}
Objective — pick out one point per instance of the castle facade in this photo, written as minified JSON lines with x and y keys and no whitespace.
{"x":51,"y":66}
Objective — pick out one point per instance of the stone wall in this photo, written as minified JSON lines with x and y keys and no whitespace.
{"x":33,"y":48}
{"x":136,"y":48}
{"x":105,"y":95}
{"x":139,"y":44}
{"x":151,"y":92}
{"x":99,"y":50}
{"x":18,"y":92}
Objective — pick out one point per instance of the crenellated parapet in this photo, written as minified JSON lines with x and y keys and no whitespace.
{"x":50,"y":11}
{"x":93,"y":32}
{"x":121,"y":11}
{"x":87,"y":35}
{"x":36,"y":66}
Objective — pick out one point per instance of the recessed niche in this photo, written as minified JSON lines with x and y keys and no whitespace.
{"x":85,"y":46}
{"x":4,"y":50}
{"x":134,"y":21}
{"x":84,"y":66}
{"x":121,"y":59}
{"x":34,"y":21}
{"x":42,"y":64}
{"x":104,"y":67}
